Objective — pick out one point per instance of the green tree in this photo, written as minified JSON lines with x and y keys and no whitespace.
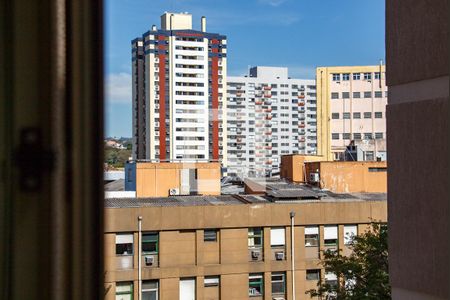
{"x":361,"y":275}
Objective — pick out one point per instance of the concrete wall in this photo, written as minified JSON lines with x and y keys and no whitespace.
{"x":183,"y":252}
{"x":292,"y":167}
{"x":417,"y":122}
{"x":155,"y":179}
{"x":350,"y":177}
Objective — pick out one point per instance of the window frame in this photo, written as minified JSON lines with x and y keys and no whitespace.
{"x":259,"y":283}
{"x":131,"y":292}
{"x":132,"y":244}
{"x":253,"y":236}
{"x":282,"y":281}
{"x":210,"y":230}
{"x":157,"y":242}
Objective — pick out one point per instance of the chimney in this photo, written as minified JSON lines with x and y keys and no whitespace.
{"x":203,"y":24}
{"x":153,"y":27}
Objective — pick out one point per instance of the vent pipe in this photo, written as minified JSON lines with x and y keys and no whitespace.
{"x":203,"y":24}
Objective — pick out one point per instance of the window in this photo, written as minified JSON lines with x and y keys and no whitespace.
{"x":210,"y":235}
{"x":255,"y":285}
{"x":187,"y":288}
{"x":312,"y":236}
{"x":124,"y":290}
{"x":350,"y":231}
{"x":367,"y":76}
{"x":313,"y":274}
{"x":368,"y":156}
{"x":211,"y":281}
{"x":367,"y":94}
{"x":377,"y":75}
{"x":336,"y":77}
{"x":346,"y":136}
{"x":367,"y":136}
{"x":331,"y":278}
{"x":335,"y":115}
{"x":334,"y":95}
{"x":356,"y":76}
{"x":378,"y":135}
{"x":345,"y":95}
{"x":124,"y":244}
{"x":335,"y":136}
{"x":377,"y":169}
{"x":278,"y":283}
{"x":277,"y":237}
{"x":367,"y":115}
{"x":378,"y":115}
{"x":356,"y":94}
{"x":346,"y":76}
{"x":378,"y":94}
{"x":346,"y":115}
{"x":356,"y":115}
{"x":357,"y":136}
{"x":255,"y":237}
{"x":330,"y":235}
{"x":150,"y":290}
{"x":150,"y":243}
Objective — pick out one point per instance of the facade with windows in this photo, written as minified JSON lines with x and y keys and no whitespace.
{"x":269,"y":114}
{"x":192,"y":249}
{"x":353,"y":104}
{"x":179,"y":92}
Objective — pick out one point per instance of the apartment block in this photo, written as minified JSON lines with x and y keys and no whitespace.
{"x":269,"y":114}
{"x":179,"y":92}
{"x":229,"y":247}
{"x":352,"y":102}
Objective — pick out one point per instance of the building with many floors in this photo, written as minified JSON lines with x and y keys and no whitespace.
{"x":179,"y":92}
{"x":269,"y":114}
{"x":352,"y":107}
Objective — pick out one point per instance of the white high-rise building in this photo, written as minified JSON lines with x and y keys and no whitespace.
{"x":179,"y":92}
{"x":269,"y":114}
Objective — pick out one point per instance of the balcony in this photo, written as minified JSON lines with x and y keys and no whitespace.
{"x":301,"y":104}
{"x":301,"y":125}
{"x":268,"y":102}
{"x":258,"y":102}
{"x":267,"y":88}
{"x":268,"y":110}
{"x":301,"y":96}
{"x":269,"y":117}
{"x":267,"y":96}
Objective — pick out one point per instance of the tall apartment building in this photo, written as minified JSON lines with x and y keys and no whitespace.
{"x":352,"y":104}
{"x":179,"y":92}
{"x":269,"y":115}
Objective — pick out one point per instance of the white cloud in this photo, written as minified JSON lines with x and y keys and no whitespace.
{"x":118,"y":88}
{"x":272,"y":2}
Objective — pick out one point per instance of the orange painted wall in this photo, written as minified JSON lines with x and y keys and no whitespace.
{"x":292,"y":167}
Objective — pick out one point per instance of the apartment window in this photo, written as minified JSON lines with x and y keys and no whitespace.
{"x":350,"y":231}
{"x":335,"y":115}
{"x":356,"y":94}
{"x":210,"y":235}
{"x":330,"y":235}
{"x":150,"y":243}
{"x":150,"y":290}
{"x":331,"y":278}
{"x":378,"y":115}
{"x":378,"y":135}
{"x":210,"y":281}
{"x":336,"y":77}
{"x":346,"y":136}
{"x":357,"y":136}
{"x":335,"y":136}
{"x":356,"y":115}
{"x":367,"y":76}
{"x":345,"y":95}
{"x":377,"y":169}
{"x":312,"y":236}
{"x":278,"y":283}
{"x":277,"y":237}
{"x":356,"y":76}
{"x":187,"y":288}
{"x":367,"y":115}
{"x":367,"y":94}
{"x":313,"y":274}
{"x":346,"y":76}
{"x":377,"y":75}
{"x":255,"y":285}
{"x":124,"y":291}
{"x":124,"y":244}
{"x":367,"y":136}
{"x":346,"y":115}
{"x":334,"y":95}
{"x":255,"y":237}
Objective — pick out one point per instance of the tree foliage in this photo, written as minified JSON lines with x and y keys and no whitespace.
{"x":361,"y":275}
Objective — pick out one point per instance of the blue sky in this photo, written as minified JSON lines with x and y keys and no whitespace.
{"x":298,"y":34}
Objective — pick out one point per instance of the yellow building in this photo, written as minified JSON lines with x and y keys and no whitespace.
{"x":351,"y":102}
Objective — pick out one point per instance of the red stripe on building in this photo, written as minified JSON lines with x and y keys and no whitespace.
{"x":162,"y":101}
{"x":215,"y":101}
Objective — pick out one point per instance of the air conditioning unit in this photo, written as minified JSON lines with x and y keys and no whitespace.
{"x":149,"y":260}
{"x":279,"y":255}
{"x":174,"y":192}
{"x":255,"y":254}
{"x":314,"y":177}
